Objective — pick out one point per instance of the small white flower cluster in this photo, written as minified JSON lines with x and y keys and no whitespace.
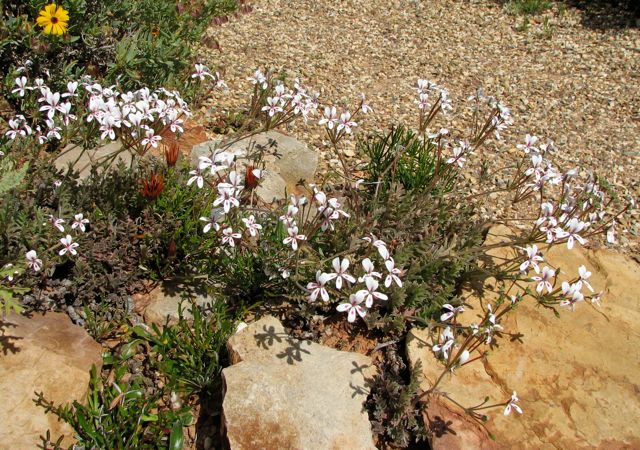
{"x":460,"y":152}
{"x":341,"y":122}
{"x":571,"y":292}
{"x":202,"y":72}
{"x":229,"y":188}
{"x":360,"y":300}
{"x":68,"y":245}
{"x":501,"y":115}
{"x":282,"y":103}
{"x":425,"y":89}
{"x":139,"y":117}
{"x":581,"y":205}
{"x":142,"y":114}
{"x":289,"y":221}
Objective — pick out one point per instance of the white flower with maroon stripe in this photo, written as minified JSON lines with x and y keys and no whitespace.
{"x":394,"y":273}
{"x":317,"y":288}
{"x":340,"y":271}
{"x":371,"y":292}
{"x":32,"y":260}
{"x":352,"y":308}
{"x":68,"y":246}
{"x":79,"y":222}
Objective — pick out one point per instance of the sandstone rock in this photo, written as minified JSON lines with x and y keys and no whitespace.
{"x":42,"y":353}
{"x":83,"y":160}
{"x":287,"y":161}
{"x":284,"y":393}
{"x":577,"y":376}
{"x":163,"y":302}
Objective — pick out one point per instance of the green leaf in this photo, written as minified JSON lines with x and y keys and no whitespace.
{"x":12,"y":178}
{"x":176,"y":441}
{"x":129,"y":349}
{"x":149,"y":417}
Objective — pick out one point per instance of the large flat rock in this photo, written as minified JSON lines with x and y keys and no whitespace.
{"x":287,"y":161}
{"x":45,"y":353}
{"x":577,"y":376}
{"x":284,"y":393}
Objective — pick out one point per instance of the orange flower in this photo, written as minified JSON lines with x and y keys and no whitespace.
{"x":171,"y":154}
{"x":152,"y":187}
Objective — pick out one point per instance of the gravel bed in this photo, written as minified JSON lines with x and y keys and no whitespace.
{"x":576,"y":85}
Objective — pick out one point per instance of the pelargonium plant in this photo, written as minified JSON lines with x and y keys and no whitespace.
{"x":570,"y":211}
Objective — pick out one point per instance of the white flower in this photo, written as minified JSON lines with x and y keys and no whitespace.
{"x":425,"y":85}
{"x":56,"y":222}
{"x":544,"y":280}
{"x":229,"y":237}
{"x":574,"y":227}
{"x":364,"y":106}
{"x":79,"y":222}
{"x":394,"y":273}
{"x":379,"y":244}
{"x":151,"y":138}
{"x":68,"y":246}
{"x":32,"y":260}
{"x":529,"y":144}
{"x":423,"y":101}
{"x":464,"y":357}
{"x":273,"y":106}
{"x":210,"y":223}
{"x":546,"y":213}
{"x":445,"y":342}
{"x":318,"y":287}
{"x":226,"y":198}
{"x":611,"y":233}
{"x":532,"y":259}
{"x":330,"y":117}
{"x":513,"y":405}
{"x":369,"y":271}
{"x":293,"y":237}
{"x":72,"y":86}
{"x":289,"y":217}
{"x":345,"y":123}
{"x":52,"y":103}
{"x":352,"y":308}
{"x":584,"y":276}
{"x":340,"y":272}
{"x":258,"y":78}
{"x":196,"y":176}
{"x":458,"y":157}
{"x":371,"y":293}
{"x":253,"y":227}
{"x":572,"y":294}
{"x":201,"y":72}
{"x":452,"y":311}
{"x":21,"y":84}
{"x":492,"y":325}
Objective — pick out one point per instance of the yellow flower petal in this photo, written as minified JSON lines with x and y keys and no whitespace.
{"x":43,"y":21}
{"x":51,"y":9}
{"x":48,"y":28}
{"x":63,"y":15}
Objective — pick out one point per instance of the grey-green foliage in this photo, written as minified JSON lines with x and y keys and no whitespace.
{"x":10,"y":176}
{"x":420,"y":210}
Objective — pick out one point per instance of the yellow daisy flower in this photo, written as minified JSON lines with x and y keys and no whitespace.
{"x":54,"y":19}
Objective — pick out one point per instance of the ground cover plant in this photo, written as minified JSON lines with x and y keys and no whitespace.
{"x":134,"y":43}
{"x":385,"y":245}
